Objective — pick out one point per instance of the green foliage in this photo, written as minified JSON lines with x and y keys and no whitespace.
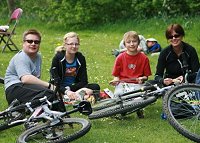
{"x":87,"y":13}
{"x":175,"y":7}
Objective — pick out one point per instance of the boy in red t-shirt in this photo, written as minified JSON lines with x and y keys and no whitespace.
{"x":130,"y":65}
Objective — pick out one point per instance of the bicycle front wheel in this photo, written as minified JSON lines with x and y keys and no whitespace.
{"x":182,"y":107}
{"x":123,"y":107}
{"x":66,"y":131}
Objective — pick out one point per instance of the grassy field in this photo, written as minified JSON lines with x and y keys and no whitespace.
{"x":96,"y":45}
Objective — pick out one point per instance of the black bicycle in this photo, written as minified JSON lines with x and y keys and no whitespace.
{"x":128,"y":102}
{"x":182,"y":107}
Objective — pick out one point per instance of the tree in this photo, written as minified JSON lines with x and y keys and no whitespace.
{"x":11,"y":5}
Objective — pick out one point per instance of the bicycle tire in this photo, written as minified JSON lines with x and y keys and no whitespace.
{"x":123,"y":107}
{"x":42,"y":132}
{"x":104,"y":104}
{"x":186,"y":122}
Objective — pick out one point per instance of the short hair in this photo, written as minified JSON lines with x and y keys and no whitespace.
{"x":33,"y":32}
{"x":71,"y":35}
{"x":174,"y":27}
{"x":131,"y":34}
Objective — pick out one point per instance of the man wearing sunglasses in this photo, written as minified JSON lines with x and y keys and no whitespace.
{"x":179,"y":61}
{"x":22,"y":78}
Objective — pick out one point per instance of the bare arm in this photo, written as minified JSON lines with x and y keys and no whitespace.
{"x":30,"y":79}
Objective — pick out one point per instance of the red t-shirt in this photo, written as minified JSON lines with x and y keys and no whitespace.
{"x":131,"y":66}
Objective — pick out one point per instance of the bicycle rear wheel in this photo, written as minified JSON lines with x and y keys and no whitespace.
{"x":123,"y":107}
{"x":182,"y":107}
{"x":66,"y":131}
{"x":104,"y":104}
{"x":10,"y":119}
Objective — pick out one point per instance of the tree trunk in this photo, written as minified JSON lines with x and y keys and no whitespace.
{"x":11,"y":5}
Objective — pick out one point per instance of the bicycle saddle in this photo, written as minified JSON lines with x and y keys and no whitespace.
{"x":84,"y":107}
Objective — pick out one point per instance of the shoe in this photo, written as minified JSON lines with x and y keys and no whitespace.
{"x":163,"y":116}
{"x":54,"y":133}
{"x":29,"y":125}
{"x":140,"y":114}
{"x":16,"y":117}
{"x":115,"y":52}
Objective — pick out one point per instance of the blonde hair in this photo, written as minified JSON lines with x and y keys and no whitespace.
{"x":71,"y":35}
{"x":59,"y":49}
{"x":131,"y":34}
{"x":67,"y":35}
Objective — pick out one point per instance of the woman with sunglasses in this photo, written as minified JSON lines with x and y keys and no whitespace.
{"x":70,"y":68}
{"x":177,"y":61}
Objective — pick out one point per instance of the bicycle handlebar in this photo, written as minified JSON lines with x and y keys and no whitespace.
{"x":151,"y":88}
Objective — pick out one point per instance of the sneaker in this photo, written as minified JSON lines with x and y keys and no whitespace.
{"x":140,"y":114}
{"x":29,"y":125}
{"x":163,"y":116}
{"x":54,"y":133}
{"x":16,"y":117}
{"x":115,"y":52}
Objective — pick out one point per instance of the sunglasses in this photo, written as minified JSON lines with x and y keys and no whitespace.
{"x":174,"y":36}
{"x":31,"y":41}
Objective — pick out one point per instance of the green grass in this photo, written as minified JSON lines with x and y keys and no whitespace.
{"x":96,"y":45}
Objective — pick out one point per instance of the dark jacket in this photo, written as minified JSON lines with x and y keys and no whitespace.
{"x":58,"y":64}
{"x":171,"y":66}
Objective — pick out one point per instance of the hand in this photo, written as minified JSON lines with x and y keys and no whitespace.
{"x":178,"y":80}
{"x":140,"y":80}
{"x":168,"y":81}
{"x":114,"y":82}
{"x":72,"y":95}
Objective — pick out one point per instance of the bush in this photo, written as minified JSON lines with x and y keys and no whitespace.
{"x":85,"y":13}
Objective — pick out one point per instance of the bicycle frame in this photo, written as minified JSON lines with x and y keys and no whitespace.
{"x":149,"y":90}
{"x":44,"y":112}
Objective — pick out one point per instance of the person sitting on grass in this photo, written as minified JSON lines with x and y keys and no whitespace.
{"x":131,"y":64}
{"x":153,"y":46}
{"x":178,"y":62}
{"x":70,"y":67}
{"x":141,"y":47}
{"x":22,"y":78}
{"x":177,"y":59}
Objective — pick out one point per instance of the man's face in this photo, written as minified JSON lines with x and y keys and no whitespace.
{"x":31,"y":44}
{"x":150,"y":43}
